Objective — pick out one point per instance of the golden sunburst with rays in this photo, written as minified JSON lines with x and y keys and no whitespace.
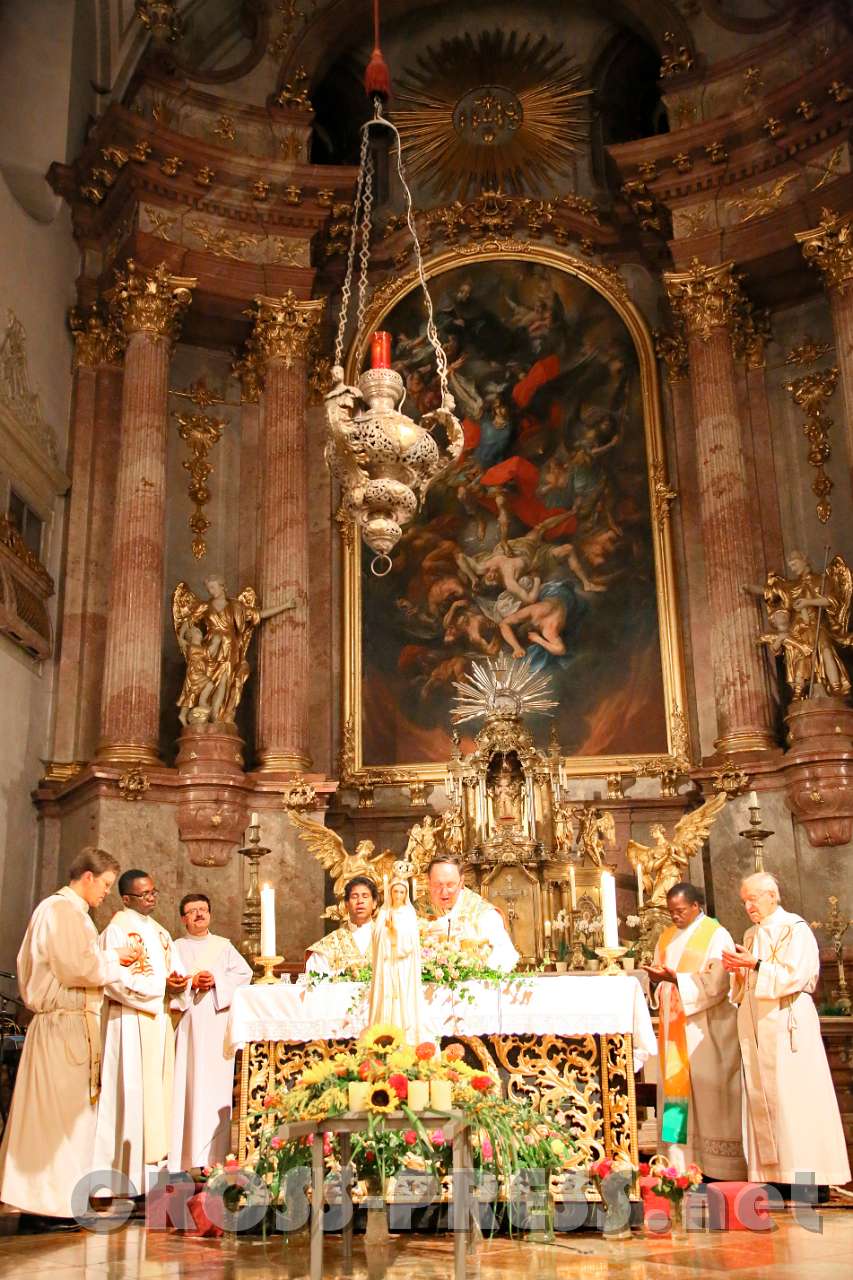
{"x":494,"y":111}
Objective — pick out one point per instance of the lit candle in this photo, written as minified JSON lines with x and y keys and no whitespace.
{"x":608,"y":910}
{"x":380,"y":350}
{"x":572,"y":888}
{"x":267,"y":920}
{"x":547,"y":928}
{"x":639,"y":885}
{"x":255,"y":821}
{"x":753,"y":799}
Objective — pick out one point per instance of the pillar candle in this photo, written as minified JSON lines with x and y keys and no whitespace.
{"x":418,"y":1094}
{"x":608,"y":910}
{"x":547,"y":928}
{"x":268,"y":920}
{"x":380,"y":350}
{"x":358,"y":1091}
{"x":640,"y":899}
{"x":753,"y":800}
{"x":254,"y":821}
{"x":572,"y":888}
{"x":441,"y":1095}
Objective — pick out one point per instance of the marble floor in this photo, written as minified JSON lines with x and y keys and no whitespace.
{"x":136,"y":1254}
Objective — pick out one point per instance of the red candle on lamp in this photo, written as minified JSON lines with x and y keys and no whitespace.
{"x":380,"y":350}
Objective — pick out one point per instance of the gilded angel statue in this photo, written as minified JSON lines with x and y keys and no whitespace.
{"x":331,"y":853}
{"x":665,"y":863}
{"x":214,"y":636}
{"x":809,"y":616}
{"x":596,"y":828}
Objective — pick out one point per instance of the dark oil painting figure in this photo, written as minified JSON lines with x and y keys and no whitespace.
{"x":537,"y":541}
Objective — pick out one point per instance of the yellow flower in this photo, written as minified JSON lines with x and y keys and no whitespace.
{"x":402,"y":1059}
{"x":317,"y":1073}
{"x":381,"y":1038}
{"x":382,"y":1098}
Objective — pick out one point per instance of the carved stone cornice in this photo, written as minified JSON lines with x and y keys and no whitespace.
{"x":286,"y":327}
{"x":150,"y":300}
{"x":97,"y":340}
{"x":829,"y":247}
{"x":705,"y":298}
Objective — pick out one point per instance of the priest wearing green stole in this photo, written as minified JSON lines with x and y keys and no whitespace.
{"x":699,"y":1089}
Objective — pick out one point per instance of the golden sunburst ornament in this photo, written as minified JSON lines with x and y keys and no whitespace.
{"x":493,"y":111}
{"x":502,"y":687}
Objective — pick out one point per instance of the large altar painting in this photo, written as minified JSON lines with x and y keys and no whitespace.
{"x":539,"y":540}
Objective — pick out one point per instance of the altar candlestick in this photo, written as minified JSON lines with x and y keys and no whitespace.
{"x":572,"y":888}
{"x":640,"y":899}
{"x":380,"y":350}
{"x":268,"y":920}
{"x":608,"y":910}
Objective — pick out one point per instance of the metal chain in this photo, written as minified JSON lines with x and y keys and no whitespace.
{"x":364,"y":252}
{"x":346,"y":290}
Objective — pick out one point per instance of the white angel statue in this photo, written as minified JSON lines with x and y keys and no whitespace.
{"x":396,"y":994}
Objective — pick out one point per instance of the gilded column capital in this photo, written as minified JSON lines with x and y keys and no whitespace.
{"x":705,"y":298}
{"x":285,"y":328}
{"x":150,"y":300}
{"x":829,"y":247}
{"x":96,"y":339}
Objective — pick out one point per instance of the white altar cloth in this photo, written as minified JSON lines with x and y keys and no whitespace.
{"x":563,"y":1005}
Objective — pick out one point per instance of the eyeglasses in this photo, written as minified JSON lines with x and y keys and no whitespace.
{"x":149,"y":893}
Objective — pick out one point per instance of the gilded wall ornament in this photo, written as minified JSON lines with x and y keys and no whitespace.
{"x":16,"y":393}
{"x":223,"y":241}
{"x":133,"y":783}
{"x":730,"y":779}
{"x":160,"y":17}
{"x":493,"y":110}
{"x":671,"y":348}
{"x":676,"y":59}
{"x":829,"y":247}
{"x":830,"y":167}
{"x":294,"y":94}
{"x":664,"y":494}
{"x":247,"y":369}
{"x":201,"y":433}
{"x":150,"y":301}
{"x":285,"y":328}
{"x":761,"y":200}
{"x":96,"y":340}
{"x":808,"y":352}
{"x":811,"y":392}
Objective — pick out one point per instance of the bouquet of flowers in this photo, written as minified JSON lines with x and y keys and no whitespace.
{"x":671,"y":1184}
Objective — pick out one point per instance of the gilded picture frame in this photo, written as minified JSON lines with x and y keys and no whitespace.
{"x":354,"y":768}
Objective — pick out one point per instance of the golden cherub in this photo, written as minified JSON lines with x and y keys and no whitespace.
{"x":665,"y":864}
{"x":330,"y":851}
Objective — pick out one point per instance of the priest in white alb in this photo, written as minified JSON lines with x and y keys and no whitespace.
{"x":462,"y":917}
{"x":49,"y":1137}
{"x":699,"y":1106}
{"x":350,"y":947}
{"x":204,"y":1073}
{"x":793,"y":1125}
{"x":134,"y":1114}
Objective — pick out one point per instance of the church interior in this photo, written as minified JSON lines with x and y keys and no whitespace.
{"x":458,"y":467}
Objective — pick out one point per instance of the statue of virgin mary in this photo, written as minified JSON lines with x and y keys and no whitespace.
{"x":396,"y":995}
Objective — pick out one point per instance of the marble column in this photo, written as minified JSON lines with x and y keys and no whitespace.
{"x":829,"y":247}
{"x":147,"y":305}
{"x":285,"y":329}
{"x":247,"y":371}
{"x":709,"y":303}
{"x":96,"y":393}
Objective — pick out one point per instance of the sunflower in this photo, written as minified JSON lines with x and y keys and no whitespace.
{"x":317,"y":1073}
{"x":401,"y":1059}
{"x":382,"y":1098}
{"x":381,"y":1038}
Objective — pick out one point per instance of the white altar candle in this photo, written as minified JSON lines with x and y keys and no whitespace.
{"x":608,"y":910}
{"x":572,"y":889}
{"x":753,"y":800}
{"x":255,"y":821}
{"x":267,"y":920}
{"x":639,"y":885}
{"x":547,"y":928}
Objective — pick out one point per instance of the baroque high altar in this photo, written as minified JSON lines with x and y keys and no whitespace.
{"x":651,"y":439}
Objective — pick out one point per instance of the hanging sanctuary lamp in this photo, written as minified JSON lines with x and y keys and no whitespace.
{"x":383,"y":459}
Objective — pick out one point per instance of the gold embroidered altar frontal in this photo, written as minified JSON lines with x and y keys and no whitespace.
{"x":589,"y":1076}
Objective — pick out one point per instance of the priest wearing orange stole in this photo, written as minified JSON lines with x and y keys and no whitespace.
{"x":699,"y":1094}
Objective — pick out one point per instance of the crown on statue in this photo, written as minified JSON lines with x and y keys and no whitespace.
{"x":403,"y":870}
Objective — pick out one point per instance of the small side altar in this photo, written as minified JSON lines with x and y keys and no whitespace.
{"x":568,"y":1038}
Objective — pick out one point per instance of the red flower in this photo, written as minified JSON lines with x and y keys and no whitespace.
{"x":645,"y":1169}
{"x":602,"y":1169}
{"x":410,"y":1137}
{"x":683,"y":1182}
{"x":454,"y":1076}
{"x":231,"y":1164}
{"x":454,"y":1052}
{"x":425,"y":1051}
{"x":327,"y":1144}
{"x":482,"y":1083}
{"x":399,"y":1084}
{"x":369,"y":1157}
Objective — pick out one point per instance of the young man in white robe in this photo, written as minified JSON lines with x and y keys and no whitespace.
{"x":793,"y":1125}
{"x":50,"y":1133}
{"x":699,"y":1106}
{"x":134,"y":1113}
{"x":204,"y":1074}
{"x":350,"y":946}
{"x":461,"y":916}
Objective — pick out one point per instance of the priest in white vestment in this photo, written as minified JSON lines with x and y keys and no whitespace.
{"x":351,"y":946}
{"x":204,"y":1073}
{"x":463,"y":916}
{"x":699,"y":1105}
{"x":134,"y":1113}
{"x":50,"y":1133}
{"x":793,"y":1126}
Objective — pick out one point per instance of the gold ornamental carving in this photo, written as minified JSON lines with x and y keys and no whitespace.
{"x":730,"y":779}
{"x":294,"y":94}
{"x":160,"y":17}
{"x":247,"y":368}
{"x":285,"y":328}
{"x":705,"y":298}
{"x":676,"y":59}
{"x":222,"y":241}
{"x":811,"y":392}
{"x":762,"y":200}
{"x":200,"y":432}
{"x":150,"y":301}
{"x":664,"y":494}
{"x":671,"y":348}
{"x":807,"y":352}
{"x":96,"y":339}
{"x":829,"y":247}
{"x":133,"y":783}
